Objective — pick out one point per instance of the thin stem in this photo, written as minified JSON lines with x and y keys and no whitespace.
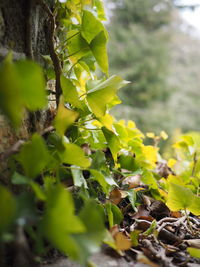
{"x":194,"y":164}
{"x":188,"y":221}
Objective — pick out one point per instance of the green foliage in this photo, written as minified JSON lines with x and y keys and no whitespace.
{"x":138,"y":49}
{"x":22,"y":86}
{"x":181,"y":198}
{"x":89,"y":151}
{"x":33,"y":153}
{"x":8,"y":209}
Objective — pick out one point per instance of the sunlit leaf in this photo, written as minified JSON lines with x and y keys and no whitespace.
{"x":74,"y":155}
{"x":150,"y":135}
{"x":100,"y":9}
{"x":194,"y":252}
{"x":195,"y":205}
{"x":179,"y":197}
{"x":103,"y":93}
{"x":99,"y":50}
{"x":164,"y":135}
{"x":91,"y":26}
{"x":64,"y":118}
{"x":148,"y":179}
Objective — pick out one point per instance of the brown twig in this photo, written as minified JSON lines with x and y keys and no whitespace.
{"x":50,"y":42}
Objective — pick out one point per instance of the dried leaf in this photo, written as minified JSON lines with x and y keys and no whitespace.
{"x":122,"y":242}
{"x":133,"y":181}
{"x":115,"y":196}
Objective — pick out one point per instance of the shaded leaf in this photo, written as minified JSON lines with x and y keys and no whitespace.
{"x":34,"y":156}
{"x":78,"y":177}
{"x":70,"y":93}
{"x":7,"y":207}
{"x":60,"y":221}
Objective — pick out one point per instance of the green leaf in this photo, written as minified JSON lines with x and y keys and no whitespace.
{"x":90,"y":242}
{"x":37,"y":189}
{"x":7,"y":207}
{"x":22,"y":85}
{"x":60,"y":221}
{"x":149,"y":179}
{"x":78,"y":177}
{"x":134,"y":237}
{"x":74,"y":155}
{"x":113,"y":142}
{"x":19,"y":179}
{"x":33,"y":156}
{"x":100,"y":9}
{"x":64,"y":118}
{"x":99,"y":50}
{"x":32,"y":84}
{"x":11,"y":102}
{"x":194,"y":252}
{"x":132,"y":198}
{"x":100,"y":178}
{"x":151,"y":229}
{"x":91,"y":26}
{"x":103,"y":93}
{"x":127,"y":162}
{"x":114,"y":214}
{"x":70,"y":93}
{"x":77,"y":46}
{"x":179,"y":197}
{"x":195,"y":205}
{"x":98,"y":160}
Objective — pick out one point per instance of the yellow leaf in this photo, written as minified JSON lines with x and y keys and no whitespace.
{"x":150,"y":153}
{"x":64,"y":118}
{"x":122,"y":242}
{"x":164,"y":135}
{"x":171,"y":163}
{"x":150,"y":135}
{"x":107,"y":121}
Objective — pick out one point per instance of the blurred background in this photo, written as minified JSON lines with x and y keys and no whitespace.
{"x":155,"y":44}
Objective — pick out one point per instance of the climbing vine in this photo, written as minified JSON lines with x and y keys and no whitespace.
{"x":78,"y":180}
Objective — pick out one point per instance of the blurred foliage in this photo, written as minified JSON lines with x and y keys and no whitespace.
{"x":161,"y":59}
{"x":138,"y":49}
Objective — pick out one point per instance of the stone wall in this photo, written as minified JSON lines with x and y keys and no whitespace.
{"x":21,"y":22}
